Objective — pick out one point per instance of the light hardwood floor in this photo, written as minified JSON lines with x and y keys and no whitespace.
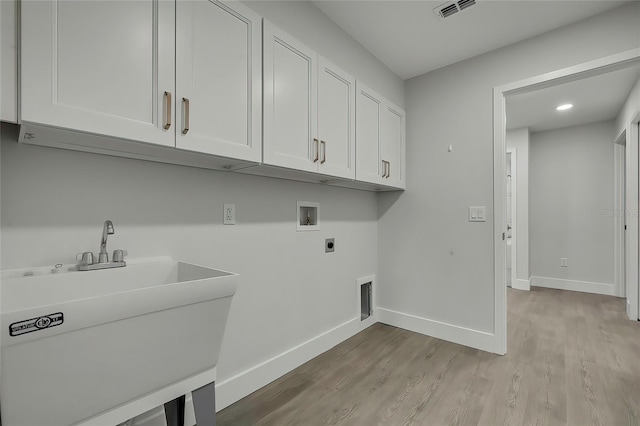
{"x":573,"y":359}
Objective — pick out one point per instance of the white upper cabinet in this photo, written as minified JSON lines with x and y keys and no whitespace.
{"x":191,"y":78}
{"x":219,"y":79}
{"x":369,"y":167}
{"x":380,"y":133}
{"x":336,"y":121}
{"x":290,"y":102}
{"x":309,"y":109}
{"x":8,"y":61}
{"x":102,"y":67}
{"x":393,"y":145}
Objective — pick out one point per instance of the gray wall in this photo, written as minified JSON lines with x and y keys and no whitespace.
{"x":434,"y":264}
{"x":571,"y":191}
{"x":54,"y":203}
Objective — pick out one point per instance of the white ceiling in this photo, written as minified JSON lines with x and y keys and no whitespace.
{"x":411,"y":40}
{"x":594,"y":99}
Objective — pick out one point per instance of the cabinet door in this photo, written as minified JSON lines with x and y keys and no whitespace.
{"x":290,"y":101}
{"x":368,"y":135}
{"x":8,"y":62}
{"x":336,"y":121}
{"x":218,"y":79}
{"x":393,"y":145}
{"x":100,"y":66}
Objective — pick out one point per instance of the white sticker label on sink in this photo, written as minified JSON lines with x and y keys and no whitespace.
{"x":36,"y":324}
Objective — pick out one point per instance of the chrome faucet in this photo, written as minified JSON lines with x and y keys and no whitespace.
{"x":86,"y":259}
{"x":107,"y":229}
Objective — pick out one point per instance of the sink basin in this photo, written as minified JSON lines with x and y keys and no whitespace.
{"x":76,"y":345}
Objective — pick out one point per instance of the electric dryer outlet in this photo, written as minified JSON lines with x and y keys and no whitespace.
{"x":329,"y":245}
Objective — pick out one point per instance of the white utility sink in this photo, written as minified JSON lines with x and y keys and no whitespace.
{"x":102,"y":346}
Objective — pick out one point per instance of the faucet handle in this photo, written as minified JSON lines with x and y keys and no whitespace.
{"x":118,"y":255}
{"x":85,"y":258}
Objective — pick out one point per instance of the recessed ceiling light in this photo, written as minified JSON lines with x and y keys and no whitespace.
{"x":564,"y":107}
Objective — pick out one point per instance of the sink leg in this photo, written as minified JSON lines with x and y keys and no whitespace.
{"x":204,"y":405}
{"x":174,"y":411}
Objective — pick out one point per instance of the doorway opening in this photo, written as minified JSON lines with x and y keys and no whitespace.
{"x":501,"y":231}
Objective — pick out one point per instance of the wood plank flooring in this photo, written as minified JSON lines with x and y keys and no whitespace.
{"x":573,"y":359}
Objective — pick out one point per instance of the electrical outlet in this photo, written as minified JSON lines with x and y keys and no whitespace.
{"x":564,"y":262}
{"x":329,"y":245}
{"x":229,"y":214}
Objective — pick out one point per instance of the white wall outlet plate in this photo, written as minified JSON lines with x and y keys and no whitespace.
{"x":229,"y":212}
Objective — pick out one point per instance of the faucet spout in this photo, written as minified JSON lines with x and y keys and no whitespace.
{"x":103,"y":256}
{"x":86,"y":260}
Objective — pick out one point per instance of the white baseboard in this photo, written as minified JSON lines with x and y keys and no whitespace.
{"x":583,"y":286}
{"x":241,"y":385}
{"x":440,"y":330}
{"x":237,"y":387}
{"x":520,"y":284}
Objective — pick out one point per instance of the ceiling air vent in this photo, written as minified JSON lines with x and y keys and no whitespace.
{"x":463,"y":4}
{"x":448,"y":9}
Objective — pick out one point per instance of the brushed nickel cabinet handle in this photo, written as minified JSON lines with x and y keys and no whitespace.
{"x":388,"y":169}
{"x":167,"y":110}
{"x":317,"y":157}
{"x":384,"y":169}
{"x":324,"y":151}
{"x":185,"y":105}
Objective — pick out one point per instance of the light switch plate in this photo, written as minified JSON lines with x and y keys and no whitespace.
{"x":229,"y":212}
{"x":477,"y":213}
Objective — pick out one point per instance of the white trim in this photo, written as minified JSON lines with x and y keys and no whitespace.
{"x":499,"y":221}
{"x":514,"y":215}
{"x":598,"y":66}
{"x":619,"y":173}
{"x":237,"y":387}
{"x":520,"y":284}
{"x":247,"y":382}
{"x":574,"y":285}
{"x":440,"y":330}
{"x":632,"y":175}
